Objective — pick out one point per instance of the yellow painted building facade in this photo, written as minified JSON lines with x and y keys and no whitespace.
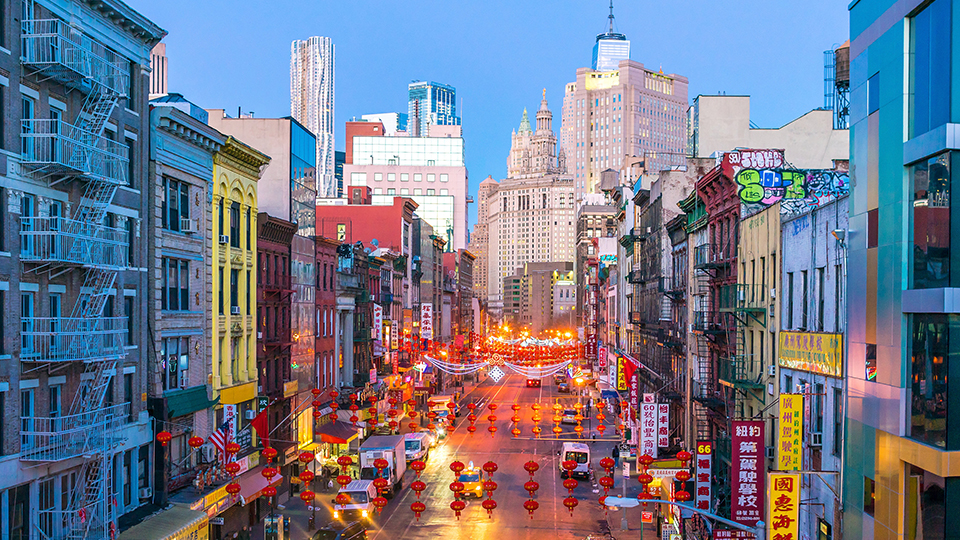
{"x":236,"y":170}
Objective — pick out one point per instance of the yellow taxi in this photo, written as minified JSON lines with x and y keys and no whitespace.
{"x":472,"y":479}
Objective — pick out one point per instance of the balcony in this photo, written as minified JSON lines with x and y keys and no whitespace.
{"x":386,"y":298}
{"x":58,"y":438}
{"x":705,"y":322}
{"x":67,"y":339}
{"x":712,"y":256}
{"x":636,"y":317}
{"x":635,"y":277}
{"x":57,"y":240}
{"x":742,"y":297}
{"x":740,"y":372}
{"x":60,"y":52}
{"x":277,"y":284}
{"x":56,"y":148}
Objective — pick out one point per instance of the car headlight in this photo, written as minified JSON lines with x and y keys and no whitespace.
{"x":336,"y":515}
{"x":364,"y":513}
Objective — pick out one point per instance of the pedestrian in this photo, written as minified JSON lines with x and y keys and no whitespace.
{"x":330,"y":485}
{"x":615,"y":455}
{"x":244,"y":533}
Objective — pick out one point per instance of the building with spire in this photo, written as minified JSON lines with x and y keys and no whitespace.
{"x":529,"y":216}
{"x":620,"y":115}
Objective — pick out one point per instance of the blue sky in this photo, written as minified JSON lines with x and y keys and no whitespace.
{"x":499,"y":54}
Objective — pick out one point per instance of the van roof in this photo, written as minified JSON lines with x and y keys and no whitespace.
{"x":420,"y":435}
{"x":357,"y":485}
{"x":576,"y":447}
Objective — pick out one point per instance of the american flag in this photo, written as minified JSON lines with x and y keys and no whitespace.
{"x":219,"y":440}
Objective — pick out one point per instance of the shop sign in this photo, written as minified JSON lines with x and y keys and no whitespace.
{"x":230,"y":415}
{"x":216,"y":521}
{"x":602,"y":357}
{"x":621,"y":374}
{"x":728,"y":534}
{"x":747,"y":476}
{"x":646,"y":516}
{"x":373,"y":375}
{"x":377,"y":322}
{"x":394,"y":336}
{"x":704,"y":470}
{"x":790,"y":432}
{"x":663,"y":425}
{"x":648,"y":429}
{"x":812,"y":352}
{"x":426,"y":321}
{"x":784,"y":506}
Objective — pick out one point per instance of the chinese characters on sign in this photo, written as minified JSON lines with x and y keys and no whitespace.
{"x":394,"y":336}
{"x":426,"y":321}
{"x":812,"y":352}
{"x":621,"y":374}
{"x":602,"y":357}
{"x":790,"y":432}
{"x":747,"y":476}
{"x":784,"y":506}
{"x":728,"y":534}
{"x":663,"y":425}
{"x":704,"y":473}
{"x":377,"y":322}
{"x":648,"y":429}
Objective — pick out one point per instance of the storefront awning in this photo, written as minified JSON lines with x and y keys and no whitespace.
{"x":252,"y":483}
{"x":337,"y":432}
{"x":174,"y":523}
{"x":188,"y":401}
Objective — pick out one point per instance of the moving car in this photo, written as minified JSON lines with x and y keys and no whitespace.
{"x":335,"y":531}
{"x":569,"y":416}
{"x":533,"y":383}
{"x":472,"y":480}
{"x":563,"y":388}
{"x":361,"y":494}
{"x":416,"y":446}
{"x":578,"y":453}
{"x":559,"y":378}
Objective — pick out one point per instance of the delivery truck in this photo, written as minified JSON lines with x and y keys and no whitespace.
{"x":390,"y":448}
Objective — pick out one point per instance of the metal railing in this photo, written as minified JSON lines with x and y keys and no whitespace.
{"x":275,"y":283}
{"x":69,"y":339}
{"x":703,"y":321}
{"x":740,"y":371}
{"x":708,"y":255}
{"x":72,"y":57}
{"x":742,"y":296}
{"x":68,"y":241}
{"x":57,"y":147}
{"x":56,"y":438}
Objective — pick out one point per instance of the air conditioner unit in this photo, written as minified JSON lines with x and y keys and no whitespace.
{"x":259,"y":335}
{"x":208,"y":452}
{"x":146,"y":493}
{"x":188,"y":225}
{"x":769,"y":453}
{"x":234,"y":310}
{"x":772,"y":310}
{"x":773,"y":292}
{"x":816,"y":439}
{"x":250,"y":414}
{"x":771,"y":370}
{"x":741,"y":295}
{"x":224,"y":239}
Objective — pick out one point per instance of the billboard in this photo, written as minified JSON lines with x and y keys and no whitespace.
{"x":648,"y":429}
{"x":784,"y":506}
{"x":790,"y":432}
{"x":812,"y":352}
{"x":704,"y":473}
{"x":426,"y":321}
{"x":747,"y":474}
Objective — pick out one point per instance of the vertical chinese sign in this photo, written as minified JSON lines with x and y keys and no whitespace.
{"x":790,"y":435}
{"x":663,"y":425}
{"x":648,"y":429}
{"x":622,"y":375}
{"x":426,"y":321}
{"x":377,"y":323}
{"x":784,"y":506}
{"x":748,"y":474}
{"x":704,"y":474}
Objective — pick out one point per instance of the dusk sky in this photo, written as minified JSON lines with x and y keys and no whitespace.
{"x":498,"y":54}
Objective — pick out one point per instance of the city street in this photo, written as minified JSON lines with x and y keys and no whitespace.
{"x":510,"y":519}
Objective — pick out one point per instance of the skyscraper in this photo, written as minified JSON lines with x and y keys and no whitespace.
{"x":431,"y":104}
{"x":311,"y":101}
{"x":611,"y":48}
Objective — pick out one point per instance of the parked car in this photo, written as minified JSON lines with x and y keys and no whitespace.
{"x":336,"y":531}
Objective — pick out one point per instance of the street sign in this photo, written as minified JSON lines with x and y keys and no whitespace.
{"x":646,"y":517}
{"x":216,"y":521}
{"x":626,"y":469}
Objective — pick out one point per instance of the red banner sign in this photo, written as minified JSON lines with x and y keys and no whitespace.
{"x":704,"y":474}
{"x":747,"y":474}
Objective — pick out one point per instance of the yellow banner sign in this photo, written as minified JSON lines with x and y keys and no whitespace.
{"x":784,"y":506}
{"x":812,"y":352}
{"x":622,"y":374}
{"x":790,"y":432}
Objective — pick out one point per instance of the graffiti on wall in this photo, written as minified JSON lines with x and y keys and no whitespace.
{"x":763,"y":179}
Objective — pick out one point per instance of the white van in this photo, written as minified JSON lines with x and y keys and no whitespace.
{"x":360,"y":507}
{"x":578,"y":453}
{"x":416,"y":446}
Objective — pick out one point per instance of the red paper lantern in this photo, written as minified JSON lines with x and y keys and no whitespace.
{"x":490,"y":468}
{"x":269,"y":453}
{"x":516,"y":432}
{"x":317,"y":413}
{"x":316,"y":392}
{"x":571,"y":503}
{"x":489,"y":486}
{"x":492,"y":430}
{"x":269,"y":472}
{"x":342,"y":499}
{"x":515,"y":406}
{"x":412,"y":402}
{"x":530,"y":506}
{"x":489,"y":505}
{"x":646,"y":460}
{"x":683,"y":475}
{"x":413,"y":426}
{"x":418,"y":486}
{"x":570,"y":484}
{"x":531,"y":487}
{"x":381,"y":484}
{"x":569,"y":465}
{"x":531,"y":467}
{"x":379,"y":503}
{"x":334,"y":394}
{"x":418,"y":508}
{"x":601,"y":428}
{"x":492,"y":407}
{"x":233,"y":488}
{"x":343,"y":480}
{"x":418,"y":467}
{"x":270,"y":491}
{"x":456,"y":488}
{"x":306,"y":457}
{"x":316,"y":403}
{"x":232,"y":467}
{"x":608,"y":464}
{"x":307,"y":476}
{"x":472,"y":406}
{"x":606,"y":482}
{"x":195,"y":442}
{"x":472,"y":417}
{"x":344,"y":461}
{"x":231,"y":448}
{"x":307,"y":496}
{"x":684,"y":456}
{"x":457,"y":506}
{"x":645,"y":478}
{"x":472,"y":429}
{"x":682,"y":496}
{"x":164,"y":437}
{"x":380,"y":464}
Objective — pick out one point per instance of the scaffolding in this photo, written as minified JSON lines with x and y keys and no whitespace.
{"x":55,"y":152}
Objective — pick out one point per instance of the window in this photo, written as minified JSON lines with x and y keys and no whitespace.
{"x":869,"y":496}
{"x":391,"y":177}
{"x":821,"y":283}
{"x":235,"y":224}
{"x":443,"y":192}
{"x":804,"y":299}
{"x":249,"y":224}
{"x":26,"y":128}
{"x":431,"y":177}
{"x":234,"y":280}
{"x":418,"y":191}
{"x":219,"y":218}
{"x":927,"y":511}
{"x":128,"y":313}
{"x":128,"y":393}
{"x":930,"y":364}
{"x":873,"y":93}
{"x":175,"y":359}
{"x":378,"y":177}
{"x":132,"y":163}
{"x":47,"y":502}
{"x":444,"y":178}
{"x":377,"y":191}
{"x":391,"y":191}
{"x":818,"y":407}
{"x":790,"y":300}
{"x":27,"y":413}
{"x":54,"y":409}
{"x":930,"y":83}
{"x":787,"y":385}
{"x":837,"y":293}
{"x":55,"y":314}
{"x":431,"y":192}
{"x":837,"y":421}
{"x":27,"y":211}
{"x":249,"y":292}
{"x":404,"y":177}
{"x":134,"y":70}
{"x":404,"y":191}
{"x":27,"y":322}
{"x":931,"y":217}
{"x":175,"y":290}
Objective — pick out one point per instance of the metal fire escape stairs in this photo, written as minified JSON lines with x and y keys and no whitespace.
{"x":52,"y":49}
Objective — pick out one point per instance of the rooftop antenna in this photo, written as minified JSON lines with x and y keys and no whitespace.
{"x":611,"y":16}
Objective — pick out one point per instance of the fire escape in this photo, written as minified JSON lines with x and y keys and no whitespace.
{"x":57,"y":152}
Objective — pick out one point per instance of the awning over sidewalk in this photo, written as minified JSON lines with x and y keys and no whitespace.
{"x":337,"y":432}
{"x":175,"y":523}
{"x":606,"y":391}
{"x":252,"y":483}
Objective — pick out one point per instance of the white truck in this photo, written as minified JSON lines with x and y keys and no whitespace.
{"x":417,"y":446}
{"x":390,"y":448}
{"x":360,"y":494}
